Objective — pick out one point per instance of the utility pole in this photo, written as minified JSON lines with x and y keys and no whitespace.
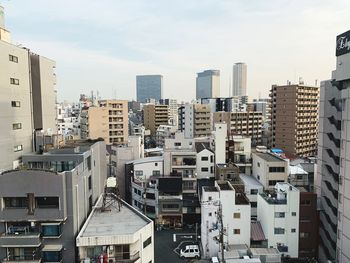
{"x":221,"y":233}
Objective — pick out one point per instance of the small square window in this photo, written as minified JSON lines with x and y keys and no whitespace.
{"x":18,"y":148}
{"x":16,"y":104}
{"x":236,"y":215}
{"x":16,"y":126}
{"x":13,"y":58}
{"x":294,"y":213}
{"x":236,"y":231}
{"x":14,"y":81}
{"x":293,"y":230}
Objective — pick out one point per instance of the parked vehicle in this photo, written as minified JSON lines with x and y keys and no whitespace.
{"x":214,"y":260}
{"x":191,"y":251}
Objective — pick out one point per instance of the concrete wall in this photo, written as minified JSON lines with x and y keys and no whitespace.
{"x":205,"y":164}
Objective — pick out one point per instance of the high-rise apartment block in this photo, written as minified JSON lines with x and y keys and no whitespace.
{"x":195,"y":120}
{"x":333,"y":171}
{"x":108,"y":120}
{"x":239,"y":79}
{"x":246,"y":123}
{"x":155,"y":115}
{"x":27,"y":83}
{"x":173,"y":107}
{"x":208,"y":84}
{"x":295,"y":118}
{"x":149,"y":87}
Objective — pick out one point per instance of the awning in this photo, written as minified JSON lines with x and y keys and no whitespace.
{"x":52,"y":248}
{"x":256,"y":232}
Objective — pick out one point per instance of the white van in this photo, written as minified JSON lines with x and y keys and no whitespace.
{"x":214,"y":260}
{"x":191,"y":251}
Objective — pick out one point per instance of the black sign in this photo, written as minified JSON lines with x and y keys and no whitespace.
{"x":343,"y":44}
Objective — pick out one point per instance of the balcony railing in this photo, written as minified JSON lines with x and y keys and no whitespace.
{"x":25,"y":258}
{"x":124,"y":257}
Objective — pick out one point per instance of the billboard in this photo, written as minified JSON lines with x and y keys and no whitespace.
{"x":343,"y":44}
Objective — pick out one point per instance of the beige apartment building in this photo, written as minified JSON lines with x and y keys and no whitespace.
{"x":28,"y":97}
{"x":155,"y":115}
{"x":294,"y":117}
{"x":245,"y":123}
{"x":108,"y":120}
{"x":195,"y":120}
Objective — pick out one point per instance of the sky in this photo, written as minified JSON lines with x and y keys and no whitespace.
{"x":102,"y":45}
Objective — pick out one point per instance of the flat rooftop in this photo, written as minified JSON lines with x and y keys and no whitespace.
{"x":250,"y":180}
{"x":113,"y":222}
{"x":210,"y":189}
{"x":269,"y":157}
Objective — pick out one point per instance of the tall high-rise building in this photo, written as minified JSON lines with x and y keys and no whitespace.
{"x":108,"y":120}
{"x":239,"y":85}
{"x":333,"y":171}
{"x":173,"y":107}
{"x":208,"y":84}
{"x":149,"y":87}
{"x":295,"y":118}
{"x":28,"y":98}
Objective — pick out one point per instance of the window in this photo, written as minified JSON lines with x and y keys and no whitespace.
{"x":177,"y":144}
{"x":210,"y":214}
{"x":253,"y":204}
{"x":90,"y":182}
{"x":16,"y":104}
{"x":211,"y":158}
{"x":171,"y":207}
{"x":304,"y":234}
{"x":16,"y":126}
{"x":147,"y":242}
{"x":279,"y":231}
{"x":16,"y":202}
{"x":51,"y":229}
{"x":52,"y":256}
{"x":204,"y":169}
{"x":258,"y":164}
{"x":13,"y":58}
{"x":294,"y":213}
{"x":293,"y":230}
{"x":156,"y":173}
{"x":236,"y":215}
{"x":18,"y":148}
{"x":204,"y":158}
{"x":236,"y":231}
{"x":276,"y":169}
{"x":47,"y":202}
{"x":14,"y":81}
{"x":305,"y":202}
{"x":88,"y":160}
{"x":253,"y":191}
{"x":274,"y":182}
{"x":299,"y":177}
{"x":139,"y":173}
{"x":155,"y":164}
{"x":280,"y":215}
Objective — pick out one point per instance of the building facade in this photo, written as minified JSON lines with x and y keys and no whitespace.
{"x":294,"y":114}
{"x":239,"y":84}
{"x":154,"y":116}
{"x":208,"y":84}
{"x":149,"y":87}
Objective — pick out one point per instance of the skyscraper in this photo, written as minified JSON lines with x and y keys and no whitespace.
{"x":149,"y":87}
{"x":239,"y":85}
{"x":208,"y":84}
{"x":333,"y":171}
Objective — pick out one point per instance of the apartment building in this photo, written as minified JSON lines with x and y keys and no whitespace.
{"x":333,"y":167}
{"x":27,"y":84}
{"x":115,"y":232}
{"x":45,"y":202}
{"x":294,"y":115}
{"x":205,"y":161}
{"x":163,"y":132}
{"x":245,"y":123}
{"x":68,"y":122}
{"x":173,"y":107}
{"x":224,"y":200}
{"x":252,"y":187}
{"x":154,"y":116}
{"x":108,"y":120}
{"x":195,"y":120}
{"x":278,"y":213}
{"x":269,"y":169}
{"x":238,"y":151}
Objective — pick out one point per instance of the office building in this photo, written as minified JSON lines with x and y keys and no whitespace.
{"x":295,"y":119}
{"x":223,"y":104}
{"x":115,"y":232}
{"x":45,"y":202}
{"x":154,"y":116}
{"x":149,"y":87}
{"x":245,"y":123}
{"x":195,"y":120}
{"x":269,"y":169}
{"x":239,"y":84}
{"x":173,"y":107}
{"x":108,"y":120}
{"x":28,"y":98}
{"x":278,"y":214}
{"x":333,"y":167}
{"x":208,"y":84}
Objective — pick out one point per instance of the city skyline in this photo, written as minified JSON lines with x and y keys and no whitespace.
{"x":128,"y":40}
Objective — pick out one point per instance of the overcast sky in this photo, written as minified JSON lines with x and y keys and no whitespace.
{"x":103,"y":44}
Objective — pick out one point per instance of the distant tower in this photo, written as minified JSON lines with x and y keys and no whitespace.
{"x":239,"y":85}
{"x":208,"y":84}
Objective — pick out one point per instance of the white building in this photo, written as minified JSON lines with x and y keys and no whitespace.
{"x":68,"y":120}
{"x":163,"y":132}
{"x":239,"y":85}
{"x":252,"y":187}
{"x":269,"y":169}
{"x":240,"y":146}
{"x":278,"y":214}
{"x":220,"y":136}
{"x":205,"y":161}
{"x":116,"y":232}
{"x":236,"y":214}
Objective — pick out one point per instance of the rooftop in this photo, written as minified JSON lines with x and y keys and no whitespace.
{"x":256,"y":232}
{"x":210,"y":189}
{"x":200,"y":146}
{"x":147,"y":160}
{"x":113,"y":222}
{"x":269,"y":157}
{"x":250,"y":180}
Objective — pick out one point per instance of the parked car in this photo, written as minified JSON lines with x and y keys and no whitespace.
{"x":191,"y":251}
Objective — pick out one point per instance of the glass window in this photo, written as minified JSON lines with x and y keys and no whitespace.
{"x":16,"y":104}
{"x":139,"y":173}
{"x":204,"y":158}
{"x":14,"y":81}
{"x":253,"y":191}
{"x":236,"y":215}
{"x":16,"y":126}
{"x":47,"y":202}
{"x":13,"y":58}
{"x":52,"y":256}
{"x":51,"y":230}
{"x":280,"y":215}
{"x":18,"y":148}
{"x":16,"y":202}
{"x":279,"y":231}
{"x":204,"y":169}
{"x":236,"y":231}
{"x":147,"y":242}
{"x":156,"y":173}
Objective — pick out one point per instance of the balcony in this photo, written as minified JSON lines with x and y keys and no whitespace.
{"x":24,"y":258}
{"x":27,"y":239}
